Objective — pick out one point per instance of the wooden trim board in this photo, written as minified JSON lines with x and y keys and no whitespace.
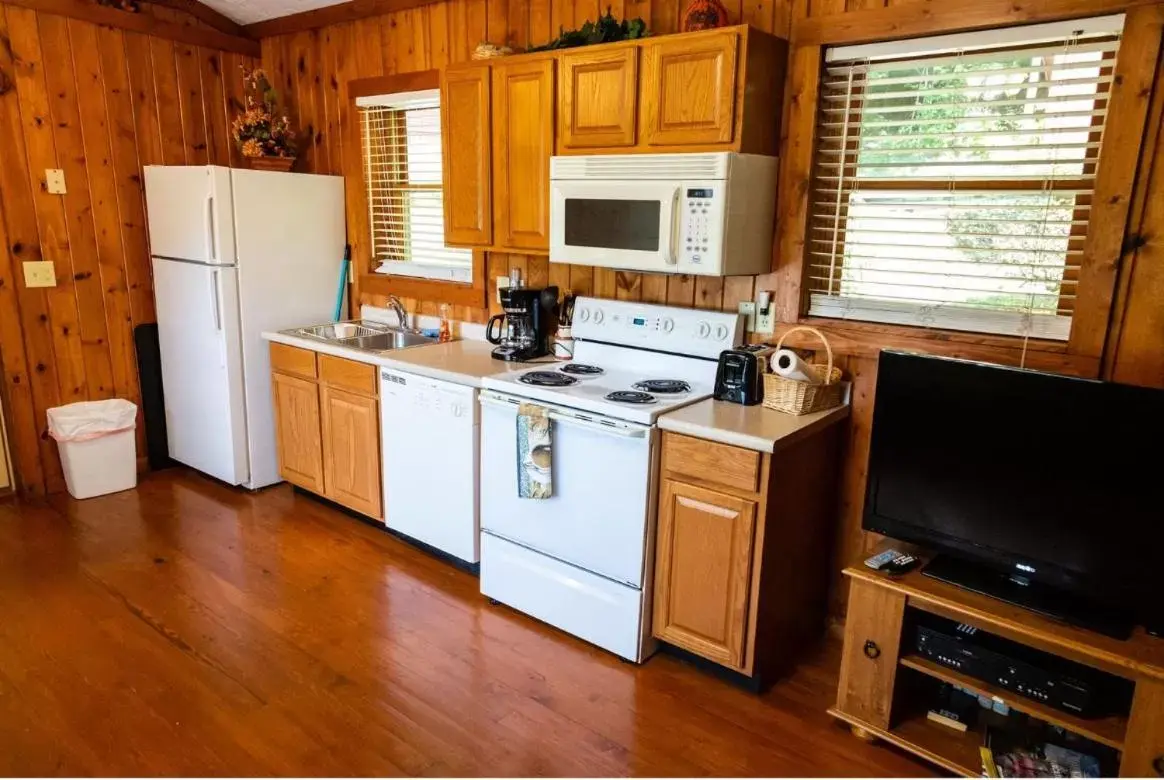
{"x":332,"y":14}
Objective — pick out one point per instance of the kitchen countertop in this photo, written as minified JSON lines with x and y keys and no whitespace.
{"x":751,"y":427}
{"x":462,"y":362}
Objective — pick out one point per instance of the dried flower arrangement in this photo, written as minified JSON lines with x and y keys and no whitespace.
{"x":260,"y":131}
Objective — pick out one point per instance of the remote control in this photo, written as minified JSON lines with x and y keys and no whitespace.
{"x":880,"y":559}
{"x":900,"y":565}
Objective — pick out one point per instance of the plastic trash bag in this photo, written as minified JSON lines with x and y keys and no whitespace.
{"x":87,"y":420}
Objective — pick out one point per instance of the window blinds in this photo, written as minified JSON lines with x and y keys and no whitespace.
{"x":953,"y":177}
{"x":402,"y":169}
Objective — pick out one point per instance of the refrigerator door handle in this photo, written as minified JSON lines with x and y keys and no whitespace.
{"x":210,"y":248}
{"x":214,"y":295}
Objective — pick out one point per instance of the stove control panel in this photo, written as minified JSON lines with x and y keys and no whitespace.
{"x":663,"y":328}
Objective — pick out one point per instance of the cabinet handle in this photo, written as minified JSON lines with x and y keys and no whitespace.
{"x":1158,"y":766}
{"x":871,"y":649}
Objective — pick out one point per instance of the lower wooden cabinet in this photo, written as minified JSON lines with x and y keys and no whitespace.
{"x":327,"y":429}
{"x":869,"y":660}
{"x":351,"y":449}
{"x":297,"y":431}
{"x":704,"y":566}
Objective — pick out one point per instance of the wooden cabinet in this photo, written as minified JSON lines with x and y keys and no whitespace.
{"x":689,"y":90}
{"x":297,"y":431}
{"x":869,"y":659}
{"x":466,"y":138}
{"x":598,"y":98}
{"x":523,"y":141}
{"x":1144,"y":754}
{"x":742,"y":580}
{"x":327,"y":426}
{"x":704,"y":562}
{"x":351,"y":449}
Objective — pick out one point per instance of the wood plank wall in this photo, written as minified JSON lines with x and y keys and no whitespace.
{"x":99,"y":103}
{"x":312,"y":68}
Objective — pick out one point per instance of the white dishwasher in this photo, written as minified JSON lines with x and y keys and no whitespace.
{"x":430,"y":440}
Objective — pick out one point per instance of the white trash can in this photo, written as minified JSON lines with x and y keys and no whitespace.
{"x":97,"y":445}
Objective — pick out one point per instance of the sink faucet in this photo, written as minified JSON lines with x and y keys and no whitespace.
{"x":398,"y":309}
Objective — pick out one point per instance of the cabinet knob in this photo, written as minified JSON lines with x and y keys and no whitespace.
{"x":1158,"y":766}
{"x":871,"y":649}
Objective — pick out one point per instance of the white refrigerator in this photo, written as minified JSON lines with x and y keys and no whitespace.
{"x":235,"y":252}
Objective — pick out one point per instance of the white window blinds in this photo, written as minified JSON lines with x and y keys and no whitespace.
{"x":953,"y":177}
{"x":402,"y":170}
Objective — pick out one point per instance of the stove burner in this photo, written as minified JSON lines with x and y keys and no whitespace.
{"x":663,"y":386}
{"x":630,"y":397}
{"x":547,"y":379}
{"x":581,"y":369}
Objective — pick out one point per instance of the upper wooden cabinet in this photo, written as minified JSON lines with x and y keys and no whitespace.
{"x":689,"y":90}
{"x":598,"y":98}
{"x":523,"y":141}
{"x":466,"y":139}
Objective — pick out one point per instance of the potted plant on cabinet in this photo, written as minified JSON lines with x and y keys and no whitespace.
{"x":264,"y":136}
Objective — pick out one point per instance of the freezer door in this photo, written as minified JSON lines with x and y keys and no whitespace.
{"x":190,"y":213}
{"x":198,"y":330}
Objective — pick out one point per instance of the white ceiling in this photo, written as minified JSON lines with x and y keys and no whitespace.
{"x":250,"y":11}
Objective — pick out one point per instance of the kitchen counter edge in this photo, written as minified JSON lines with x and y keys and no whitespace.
{"x":751,"y":427}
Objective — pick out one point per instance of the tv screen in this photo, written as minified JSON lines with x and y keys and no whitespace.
{"x":1055,"y":477}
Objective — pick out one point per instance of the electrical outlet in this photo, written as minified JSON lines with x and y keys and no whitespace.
{"x":40,"y":274}
{"x":766,"y":323}
{"x":54,"y":180}
{"x":748,"y":309}
{"x":502,"y":283}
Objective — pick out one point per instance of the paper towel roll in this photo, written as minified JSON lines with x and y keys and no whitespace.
{"x":788,"y":364}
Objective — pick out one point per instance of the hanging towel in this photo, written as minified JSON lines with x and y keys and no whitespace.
{"x":534,"y":457}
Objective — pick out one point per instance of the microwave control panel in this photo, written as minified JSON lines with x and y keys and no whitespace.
{"x":701,"y":221}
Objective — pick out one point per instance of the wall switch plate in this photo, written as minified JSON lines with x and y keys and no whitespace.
{"x":766,"y":323}
{"x":748,"y":309}
{"x":54,"y":180}
{"x":40,"y":274}
{"x":502,"y":283}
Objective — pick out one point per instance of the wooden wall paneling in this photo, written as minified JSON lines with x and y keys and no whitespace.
{"x":517,"y":28}
{"x":233,"y":100}
{"x":135,"y":139}
{"x":537,"y":270}
{"x":605,"y":283}
{"x":541,"y":29}
{"x":654,"y":288}
{"x":737,"y":289}
{"x":709,"y":293}
{"x":582,"y":279}
{"x":40,"y":147}
{"x":628,"y":286}
{"x":666,"y":17}
{"x":167,"y":92}
{"x":329,"y":69}
{"x":214,"y":108}
{"x":562,"y":15}
{"x":81,"y":265}
{"x":190,"y":104}
{"x":681,"y":290}
{"x":365,"y":40}
{"x":1131,"y":94}
{"x":558,"y":274}
{"x":102,"y":175}
{"x":497,"y":21}
{"x":637,"y":9}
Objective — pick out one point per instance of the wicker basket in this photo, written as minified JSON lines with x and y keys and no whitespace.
{"x":793,"y":397}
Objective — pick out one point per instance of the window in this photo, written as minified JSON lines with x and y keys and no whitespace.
{"x":402,"y":169}
{"x":953,"y":177}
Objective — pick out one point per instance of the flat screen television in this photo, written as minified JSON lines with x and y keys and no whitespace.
{"x":1040,"y":489}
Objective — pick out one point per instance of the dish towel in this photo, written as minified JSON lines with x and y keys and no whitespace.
{"x":534,"y":452}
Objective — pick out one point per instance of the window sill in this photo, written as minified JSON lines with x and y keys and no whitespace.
{"x":437,"y":273}
{"x":470,"y":293}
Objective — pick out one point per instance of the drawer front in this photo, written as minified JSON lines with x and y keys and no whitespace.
{"x":869,"y":658}
{"x":293,"y":360}
{"x":720,"y":464}
{"x":348,"y":374}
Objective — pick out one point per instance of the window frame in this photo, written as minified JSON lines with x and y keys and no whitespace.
{"x":367,"y":281}
{"x":1115,"y":177}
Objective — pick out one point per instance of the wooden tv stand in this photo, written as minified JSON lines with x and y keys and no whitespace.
{"x":875,"y":654}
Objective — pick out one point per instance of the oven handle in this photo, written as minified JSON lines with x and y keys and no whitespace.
{"x":569,"y":419}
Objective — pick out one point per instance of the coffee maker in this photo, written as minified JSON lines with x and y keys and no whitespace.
{"x":523,"y":331}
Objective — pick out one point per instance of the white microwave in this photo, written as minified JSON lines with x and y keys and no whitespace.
{"x":710,"y":214}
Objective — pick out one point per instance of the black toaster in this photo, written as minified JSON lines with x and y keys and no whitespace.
{"x":740,"y":376}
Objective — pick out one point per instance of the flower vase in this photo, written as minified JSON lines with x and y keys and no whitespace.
{"x":283,"y":164}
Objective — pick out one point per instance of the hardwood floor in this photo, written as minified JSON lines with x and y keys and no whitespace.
{"x":185,"y":628}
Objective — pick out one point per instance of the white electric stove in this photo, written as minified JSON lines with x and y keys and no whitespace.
{"x":581,"y":560}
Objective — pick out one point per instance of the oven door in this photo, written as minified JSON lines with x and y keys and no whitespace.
{"x":615,"y":224}
{"x":602,"y":476}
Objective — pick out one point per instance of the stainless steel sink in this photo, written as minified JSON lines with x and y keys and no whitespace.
{"x":364,"y":335}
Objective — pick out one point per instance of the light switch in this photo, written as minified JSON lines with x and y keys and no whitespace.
{"x":40,"y":274}
{"x":748,"y":309}
{"x":54,"y":179}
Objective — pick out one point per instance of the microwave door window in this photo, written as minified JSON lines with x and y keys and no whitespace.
{"x":612,"y":224}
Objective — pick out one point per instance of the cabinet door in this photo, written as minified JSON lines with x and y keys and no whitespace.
{"x":297,"y":431}
{"x":689,"y":90}
{"x":703,"y":570}
{"x":523,"y":141}
{"x":351,"y":450}
{"x":467,"y":145}
{"x":1144,"y":752}
{"x":869,"y":658}
{"x":598,"y":99}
